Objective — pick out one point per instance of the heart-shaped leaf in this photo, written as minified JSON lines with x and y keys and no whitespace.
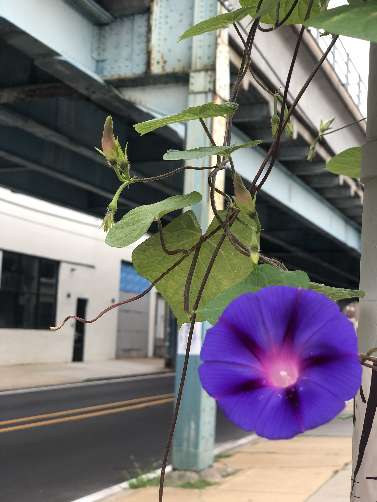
{"x":229,"y":268}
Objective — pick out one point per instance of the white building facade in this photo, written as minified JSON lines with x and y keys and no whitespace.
{"x":55,"y":263}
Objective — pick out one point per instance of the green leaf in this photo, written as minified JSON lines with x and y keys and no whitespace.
{"x":229,"y":268}
{"x":262,"y":277}
{"x":205,"y":151}
{"x":336,"y":293}
{"x":347,"y":163}
{"x":358,"y":20}
{"x":194,"y":112}
{"x":297,"y":16}
{"x":215,"y":23}
{"x":137,"y":221}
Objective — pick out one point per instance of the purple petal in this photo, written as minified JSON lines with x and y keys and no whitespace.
{"x":336,"y":336}
{"x":222,"y":344}
{"x":244,"y":408}
{"x":245,"y":316}
{"x":342,"y":377}
{"x":317,"y":405}
{"x":280,"y":418}
{"x":313,"y":312}
{"x":220,"y":379}
{"x":278,"y":305}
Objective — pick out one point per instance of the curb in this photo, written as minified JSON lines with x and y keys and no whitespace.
{"x":89,"y":381}
{"x":102,"y":494}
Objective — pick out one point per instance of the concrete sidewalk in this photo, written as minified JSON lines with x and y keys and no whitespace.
{"x":313,"y":467}
{"x":39,"y":375}
{"x":303,"y":469}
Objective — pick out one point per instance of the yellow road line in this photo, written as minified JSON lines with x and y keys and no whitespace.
{"x":89,"y":408}
{"x":86,"y":415}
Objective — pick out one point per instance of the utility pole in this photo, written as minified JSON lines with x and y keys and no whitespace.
{"x":364,"y":450}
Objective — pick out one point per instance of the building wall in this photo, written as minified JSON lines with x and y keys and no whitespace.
{"x":133,"y":326}
{"x":88,"y":269}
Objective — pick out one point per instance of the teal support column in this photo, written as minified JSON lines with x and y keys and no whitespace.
{"x":194,"y":435}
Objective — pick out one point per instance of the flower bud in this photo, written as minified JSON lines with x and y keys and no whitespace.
{"x":243,"y":197}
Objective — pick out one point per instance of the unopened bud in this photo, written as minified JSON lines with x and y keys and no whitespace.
{"x":243,"y":196}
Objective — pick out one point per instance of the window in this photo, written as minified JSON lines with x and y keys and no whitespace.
{"x":27,"y":291}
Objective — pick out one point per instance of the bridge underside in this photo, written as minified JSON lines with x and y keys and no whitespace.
{"x":48,"y":130}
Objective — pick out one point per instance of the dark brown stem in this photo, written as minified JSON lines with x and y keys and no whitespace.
{"x":245,"y":64}
{"x":364,"y":357}
{"x":277,"y":25}
{"x":176,"y":410}
{"x":260,"y":83}
{"x":284,"y":102}
{"x":271,"y":261}
{"x":176,"y":264}
{"x":207,"y":132}
{"x":190,"y":275}
{"x":239,"y":34}
{"x":166,"y":175}
{"x":287,"y":117}
{"x":374,"y":368}
{"x":163,"y":245}
{"x":211,"y":181}
{"x":185,"y":364}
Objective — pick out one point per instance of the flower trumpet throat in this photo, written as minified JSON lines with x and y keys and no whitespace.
{"x":281,"y":361}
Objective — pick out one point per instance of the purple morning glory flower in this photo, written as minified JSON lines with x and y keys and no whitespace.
{"x":281,"y":361}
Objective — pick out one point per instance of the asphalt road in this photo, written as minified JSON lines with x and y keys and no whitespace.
{"x":67,"y":454}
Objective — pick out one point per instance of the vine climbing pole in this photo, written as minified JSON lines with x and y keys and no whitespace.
{"x":364,"y":468}
{"x":194,"y":434}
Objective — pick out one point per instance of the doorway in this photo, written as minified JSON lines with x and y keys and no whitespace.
{"x":78,"y":344}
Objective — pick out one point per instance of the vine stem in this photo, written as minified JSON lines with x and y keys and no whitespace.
{"x":163,"y":245}
{"x":166,"y":175}
{"x":279,"y":24}
{"x":290,"y":111}
{"x":371,"y":366}
{"x":137,"y":297}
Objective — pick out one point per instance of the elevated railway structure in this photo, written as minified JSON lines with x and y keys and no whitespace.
{"x":67,"y":64}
